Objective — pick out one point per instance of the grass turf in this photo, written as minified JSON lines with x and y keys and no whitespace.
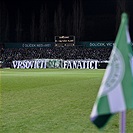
{"x":52,"y":101}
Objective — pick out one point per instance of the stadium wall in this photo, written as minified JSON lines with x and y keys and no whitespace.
{"x":86,"y":44}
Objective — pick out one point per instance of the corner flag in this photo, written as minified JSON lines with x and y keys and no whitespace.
{"x":116,"y":90}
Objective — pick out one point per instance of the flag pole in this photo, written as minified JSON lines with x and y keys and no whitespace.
{"x":123,"y":122}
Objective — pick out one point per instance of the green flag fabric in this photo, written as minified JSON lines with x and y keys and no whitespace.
{"x":116,"y":90}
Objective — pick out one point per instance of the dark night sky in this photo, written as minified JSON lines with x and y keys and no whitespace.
{"x":91,"y":8}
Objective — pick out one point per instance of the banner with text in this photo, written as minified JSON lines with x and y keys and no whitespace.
{"x":29,"y":45}
{"x":58,"y":63}
{"x":101,"y":44}
{"x":37,"y":63}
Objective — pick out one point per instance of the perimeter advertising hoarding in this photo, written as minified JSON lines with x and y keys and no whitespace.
{"x":96,"y":44}
{"x":52,"y":44}
{"x":29,"y":45}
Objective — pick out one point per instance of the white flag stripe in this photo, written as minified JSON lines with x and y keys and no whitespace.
{"x":116,"y":99}
{"x":94,"y":111}
{"x":128,"y":36}
{"x":131,"y":63}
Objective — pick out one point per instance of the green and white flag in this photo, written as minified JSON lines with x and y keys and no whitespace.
{"x":116,"y":90}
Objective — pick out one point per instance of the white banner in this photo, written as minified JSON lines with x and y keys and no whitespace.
{"x":55,"y":63}
{"x":80,"y":64}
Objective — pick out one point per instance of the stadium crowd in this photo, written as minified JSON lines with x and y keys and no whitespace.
{"x":56,"y":53}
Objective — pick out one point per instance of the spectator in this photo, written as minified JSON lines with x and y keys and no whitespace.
{"x":57,"y":53}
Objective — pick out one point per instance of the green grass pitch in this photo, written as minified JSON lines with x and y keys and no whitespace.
{"x":52,"y":101}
